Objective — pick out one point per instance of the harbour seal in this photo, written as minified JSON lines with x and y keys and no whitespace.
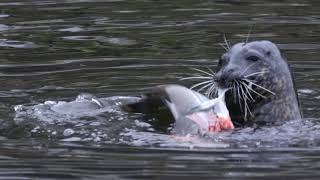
{"x":262,"y":86}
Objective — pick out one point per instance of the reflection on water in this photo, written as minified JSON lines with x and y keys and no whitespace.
{"x":51,"y":51}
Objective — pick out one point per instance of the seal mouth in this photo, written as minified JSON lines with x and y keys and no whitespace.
{"x":226,"y":83}
{"x":245,"y":90}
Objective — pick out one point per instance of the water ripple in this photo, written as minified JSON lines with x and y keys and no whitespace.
{"x":51,"y":51}
{"x":18,"y":44}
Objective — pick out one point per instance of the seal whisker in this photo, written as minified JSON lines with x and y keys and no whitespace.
{"x":247,"y":109}
{"x":251,"y":80}
{"x":208,"y":91}
{"x":212,"y":91}
{"x":202,"y":71}
{"x":212,"y":72}
{"x":248,"y":35}
{"x":238,"y":93}
{"x":199,"y":84}
{"x":247,"y":90}
{"x":226,"y":41}
{"x":223,"y":46}
{"x":247,"y":69}
{"x":205,"y":86}
{"x":244,"y":100}
{"x":207,"y":81}
{"x":250,"y":88}
{"x":195,"y":77}
{"x":260,"y":86}
{"x":255,"y":73}
{"x":243,"y":92}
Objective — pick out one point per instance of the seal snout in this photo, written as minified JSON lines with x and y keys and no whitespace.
{"x":226,"y":76}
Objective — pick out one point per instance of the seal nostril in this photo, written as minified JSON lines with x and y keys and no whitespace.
{"x":224,"y":77}
{"x":230,"y":71}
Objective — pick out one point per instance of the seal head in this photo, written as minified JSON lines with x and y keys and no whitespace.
{"x":261,"y":83}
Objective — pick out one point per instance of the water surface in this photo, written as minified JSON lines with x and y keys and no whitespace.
{"x":52,"y":51}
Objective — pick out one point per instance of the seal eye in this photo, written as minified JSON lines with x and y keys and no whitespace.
{"x":252,"y":58}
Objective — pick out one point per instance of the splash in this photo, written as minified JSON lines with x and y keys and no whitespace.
{"x":89,"y":119}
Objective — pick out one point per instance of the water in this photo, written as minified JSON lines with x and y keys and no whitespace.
{"x":53,"y":51}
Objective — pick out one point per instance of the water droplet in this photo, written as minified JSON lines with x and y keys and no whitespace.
{"x":68,"y":132}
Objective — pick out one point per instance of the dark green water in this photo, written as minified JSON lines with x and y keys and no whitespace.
{"x":54,"y":50}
